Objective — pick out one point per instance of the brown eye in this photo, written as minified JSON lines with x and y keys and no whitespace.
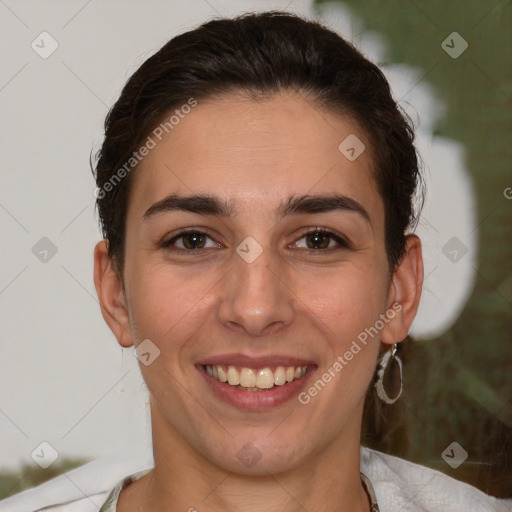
{"x":319,"y":239}
{"x":194,"y":240}
{"x":190,"y":241}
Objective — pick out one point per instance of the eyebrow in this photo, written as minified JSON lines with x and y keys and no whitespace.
{"x":204,"y":204}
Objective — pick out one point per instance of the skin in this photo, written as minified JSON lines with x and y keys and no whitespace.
{"x":292,"y":300}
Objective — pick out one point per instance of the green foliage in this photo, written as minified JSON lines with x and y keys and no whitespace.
{"x":30,"y":475}
{"x":459,"y":387}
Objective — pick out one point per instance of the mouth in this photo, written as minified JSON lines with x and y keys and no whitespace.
{"x":256,"y":383}
{"x":254,"y":379}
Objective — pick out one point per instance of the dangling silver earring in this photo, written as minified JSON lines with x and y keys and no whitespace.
{"x":386,"y":361}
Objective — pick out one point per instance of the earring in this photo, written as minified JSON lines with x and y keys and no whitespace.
{"x":386,"y":361}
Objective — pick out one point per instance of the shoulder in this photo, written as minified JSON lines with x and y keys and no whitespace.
{"x":398,"y":485}
{"x":84,"y":489}
{"x":403,"y":485}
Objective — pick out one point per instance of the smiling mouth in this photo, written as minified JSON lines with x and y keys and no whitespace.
{"x":251,"y":379}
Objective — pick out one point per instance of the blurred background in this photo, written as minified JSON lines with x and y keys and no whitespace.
{"x":63,"y":378}
{"x":459,"y":381}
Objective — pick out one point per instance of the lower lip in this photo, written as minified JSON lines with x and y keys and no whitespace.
{"x":256,"y":400}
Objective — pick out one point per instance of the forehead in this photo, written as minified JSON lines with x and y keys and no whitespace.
{"x":255,"y":153}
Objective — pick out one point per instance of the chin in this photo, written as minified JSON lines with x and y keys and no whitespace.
{"x":253,"y":461}
{"x":258,"y":455}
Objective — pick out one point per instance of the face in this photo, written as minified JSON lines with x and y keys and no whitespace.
{"x":255,"y":252}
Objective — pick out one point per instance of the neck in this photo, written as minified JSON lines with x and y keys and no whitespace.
{"x":184,"y":480}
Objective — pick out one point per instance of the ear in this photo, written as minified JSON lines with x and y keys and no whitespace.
{"x":404,"y":292}
{"x":111,"y":296}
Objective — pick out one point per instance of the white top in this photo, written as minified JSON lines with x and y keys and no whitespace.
{"x":399,"y":486}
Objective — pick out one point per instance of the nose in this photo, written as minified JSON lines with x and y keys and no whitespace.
{"x":255,"y":297}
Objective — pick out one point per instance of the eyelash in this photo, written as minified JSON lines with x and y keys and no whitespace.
{"x":342,"y":242}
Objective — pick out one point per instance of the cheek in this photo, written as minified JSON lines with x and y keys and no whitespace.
{"x":344,"y":311}
{"x":157,"y":302}
{"x":171,"y":308}
{"x":346,"y":300}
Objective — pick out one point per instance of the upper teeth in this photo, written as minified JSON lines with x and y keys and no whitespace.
{"x":263,"y":378}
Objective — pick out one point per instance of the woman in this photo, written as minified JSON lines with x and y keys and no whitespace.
{"x":255,"y":190}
